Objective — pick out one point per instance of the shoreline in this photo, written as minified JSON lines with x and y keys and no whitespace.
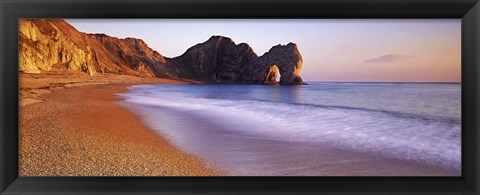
{"x":77,"y":129}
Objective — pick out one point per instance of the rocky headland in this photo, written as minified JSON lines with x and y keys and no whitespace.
{"x":220,"y":59}
{"x":54,"y":45}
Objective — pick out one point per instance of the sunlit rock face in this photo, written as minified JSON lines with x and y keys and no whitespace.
{"x":221,"y":59}
{"x":44,"y":46}
{"x":47,"y":44}
{"x":272,"y":74}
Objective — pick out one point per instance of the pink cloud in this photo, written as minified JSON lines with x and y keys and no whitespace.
{"x":388,"y":58}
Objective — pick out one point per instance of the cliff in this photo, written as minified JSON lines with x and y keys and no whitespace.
{"x":46,"y":44}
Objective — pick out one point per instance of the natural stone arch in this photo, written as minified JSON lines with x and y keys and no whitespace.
{"x":271,"y":75}
{"x":284,"y":61}
{"x":290,"y":73}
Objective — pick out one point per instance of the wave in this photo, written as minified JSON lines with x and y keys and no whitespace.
{"x":401,"y":136}
{"x":152,"y":91}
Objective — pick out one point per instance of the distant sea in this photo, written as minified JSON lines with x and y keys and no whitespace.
{"x":412,"y":122}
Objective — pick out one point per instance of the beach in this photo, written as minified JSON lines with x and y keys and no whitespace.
{"x":73,"y":124}
{"x":70,"y":125}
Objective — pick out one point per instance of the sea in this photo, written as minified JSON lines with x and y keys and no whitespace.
{"x":323,"y":128}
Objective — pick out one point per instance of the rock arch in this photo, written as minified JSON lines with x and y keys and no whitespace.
{"x":271,"y":75}
{"x":285,"y":60}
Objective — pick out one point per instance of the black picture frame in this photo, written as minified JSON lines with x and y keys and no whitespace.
{"x":467,"y":10}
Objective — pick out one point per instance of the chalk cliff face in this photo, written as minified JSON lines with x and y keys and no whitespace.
{"x":47,"y":44}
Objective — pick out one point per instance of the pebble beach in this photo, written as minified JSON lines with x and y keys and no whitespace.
{"x":75,"y":128}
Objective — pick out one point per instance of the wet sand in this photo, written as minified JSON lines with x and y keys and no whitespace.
{"x":70,"y":126}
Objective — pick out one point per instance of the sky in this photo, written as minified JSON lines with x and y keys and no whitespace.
{"x":348,"y":50}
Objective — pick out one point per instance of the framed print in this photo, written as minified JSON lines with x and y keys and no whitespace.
{"x":240,"y":97}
